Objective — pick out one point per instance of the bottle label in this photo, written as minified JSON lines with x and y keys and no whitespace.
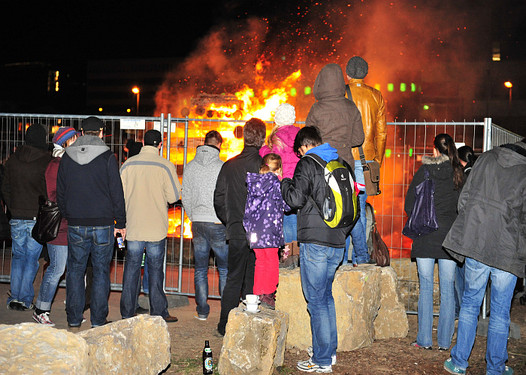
{"x":209,"y":363}
{"x":120,"y":242}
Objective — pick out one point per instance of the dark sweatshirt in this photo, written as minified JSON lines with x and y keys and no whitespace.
{"x":24,"y":181}
{"x":89,"y":187}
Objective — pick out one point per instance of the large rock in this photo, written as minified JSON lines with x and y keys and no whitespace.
{"x":359,"y":294}
{"x":391,"y":321}
{"x":254,"y":343}
{"x":138,"y":345}
{"x":31,"y":348}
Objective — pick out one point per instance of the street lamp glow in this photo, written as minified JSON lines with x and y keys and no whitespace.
{"x":508,"y":84}
{"x":137,"y":92}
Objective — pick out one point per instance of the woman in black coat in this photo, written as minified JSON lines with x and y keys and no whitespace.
{"x":445,"y":170}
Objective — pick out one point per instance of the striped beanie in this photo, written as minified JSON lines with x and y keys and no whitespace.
{"x":63,"y":134}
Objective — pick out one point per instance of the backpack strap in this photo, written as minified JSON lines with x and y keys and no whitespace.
{"x":515,"y":148}
{"x":320,"y":162}
{"x":360,"y":149}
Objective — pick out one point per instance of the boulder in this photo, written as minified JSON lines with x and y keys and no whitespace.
{"x":359,"y":294}
{"x":391,"y":321}
{"x":31,"y":348}
{"x":138,"y":345}
{"x":254,"y":343}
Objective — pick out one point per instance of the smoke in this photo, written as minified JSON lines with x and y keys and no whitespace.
{"x":432,"y":45}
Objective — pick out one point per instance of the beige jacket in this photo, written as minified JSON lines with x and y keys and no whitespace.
{"x":371,"y":105}
{"x":149,"y":182}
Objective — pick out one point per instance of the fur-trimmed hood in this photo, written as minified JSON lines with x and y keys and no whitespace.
{"x":427,"y":159}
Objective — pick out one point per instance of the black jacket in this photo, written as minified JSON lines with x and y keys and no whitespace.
{"x":491,"y":223}
{"x":308,"y":181}
{"x":25,"y":181}
{"x":230,"y":194}
{"x":89,"y":187}
{"x":446,"y":198}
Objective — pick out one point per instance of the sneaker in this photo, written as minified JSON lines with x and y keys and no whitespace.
{"x":415,"y":344}
{"x":15,"y":305}
{"x":309,"y":366}
{"x":451,"y":368}
{"x":25,"y":308}
{"x":43,"y":319}
{"x":441,"y":348}
{"x":170,"y":319}
{"x":200,"y":316}
{"x":310,"y":352}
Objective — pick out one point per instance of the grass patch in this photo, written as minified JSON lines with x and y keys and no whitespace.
{"x":189,"y":366}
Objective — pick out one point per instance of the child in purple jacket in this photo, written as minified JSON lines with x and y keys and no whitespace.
{"x":263,"y":222}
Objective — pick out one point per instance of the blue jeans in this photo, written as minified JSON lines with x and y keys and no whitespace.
{"x":459,"y":288}
{"x":208,"y":236}
{"x":360,"y":252}
{"x":502,"y":286}
{"x":83,"y":241}
{"x":58,"y":255}
{"x":24,"y":261}
{"x":446,"y":318}
{"x":318,"y":266}
{"x":155,"y":251}
{"x":290,"y":227}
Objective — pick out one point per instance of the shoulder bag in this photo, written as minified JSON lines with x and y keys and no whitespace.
{"x":48,"y":221}
{"x":423,"y":218}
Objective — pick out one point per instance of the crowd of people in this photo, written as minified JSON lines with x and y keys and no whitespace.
{"x":254,"y":208}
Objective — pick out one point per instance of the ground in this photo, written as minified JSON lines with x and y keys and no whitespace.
{"x":393,"y":356}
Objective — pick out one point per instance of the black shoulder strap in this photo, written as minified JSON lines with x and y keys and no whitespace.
{"x":515,"y":148}
{"x":348,"y":92}
{"x":317,"y":159}
{"x":360,"y":149}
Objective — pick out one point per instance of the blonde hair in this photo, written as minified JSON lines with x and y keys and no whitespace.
{"x":271,"y":163}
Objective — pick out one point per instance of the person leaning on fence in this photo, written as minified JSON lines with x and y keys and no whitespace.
{"x":58,"y":248}
{"x":22,"y":185}
{"x":230,"y":196}
{"x":494,"y":198}
{"x":150,"y":183}
{"x":90,"y":197}
{"x":446,"y":172}
{"x":199,"y":182}
{"x":371,"y":105}
{"x":321,"y":247}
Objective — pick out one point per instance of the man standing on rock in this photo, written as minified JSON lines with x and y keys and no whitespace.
{"x":90,"y":197}
{"x":229,"y":202}
{"x":199,"y":182}
{"x":150,"y":183}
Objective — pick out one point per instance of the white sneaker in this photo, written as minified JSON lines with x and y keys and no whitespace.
{"x":310,"y":352}
{"x":43,"y":319}
{"x":309,"y":366}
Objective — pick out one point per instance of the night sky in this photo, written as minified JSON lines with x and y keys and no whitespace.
{"x":80,"y":30}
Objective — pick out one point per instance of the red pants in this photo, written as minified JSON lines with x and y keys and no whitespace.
{"x":266,"y":274}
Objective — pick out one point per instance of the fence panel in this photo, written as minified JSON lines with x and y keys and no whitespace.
{"x":406,"y":143}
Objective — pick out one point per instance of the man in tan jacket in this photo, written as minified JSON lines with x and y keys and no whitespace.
{"x":150,"y":183}
{"x":371,"y":105}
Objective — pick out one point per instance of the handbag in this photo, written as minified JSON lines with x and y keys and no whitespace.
{"x":423,"y":219}
{"x":48,"y":221}
{"x":371,"y":174}
{"x":380,"y":252}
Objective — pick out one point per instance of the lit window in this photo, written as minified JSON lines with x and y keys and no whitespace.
{"x":403,"y":87}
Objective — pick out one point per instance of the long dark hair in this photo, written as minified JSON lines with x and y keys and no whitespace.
{"x":446,"y":146}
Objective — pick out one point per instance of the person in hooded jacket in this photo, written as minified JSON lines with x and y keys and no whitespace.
{"x":199,"y":182}
{"x":337,"y":118}
{"x":281,"y":142}
{"x":494,"y":197}
{"x":58,"y":248}
{"x":445,"y":170}
{"x":321,"y":247}
{"x":91,"y":198}
{"x":23,"y":183}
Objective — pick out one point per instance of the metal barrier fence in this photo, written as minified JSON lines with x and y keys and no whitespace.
{"x":406,"y":143}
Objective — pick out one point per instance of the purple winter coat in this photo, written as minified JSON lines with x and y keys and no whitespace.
{"x":263,"y":220}
{"x":285,"y":135}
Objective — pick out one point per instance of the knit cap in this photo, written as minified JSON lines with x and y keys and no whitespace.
{"x":36,"y":136}
{"x":63,"y":134}
{"x":357,"y":67}
{"x":285,"y":115}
